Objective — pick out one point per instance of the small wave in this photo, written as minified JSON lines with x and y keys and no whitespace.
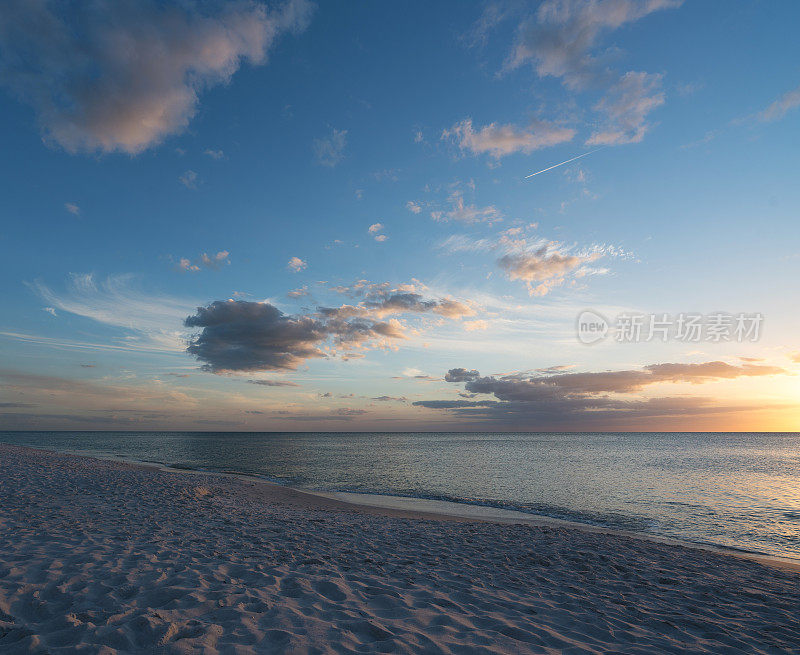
{"x":605,"y":520}
{"x":183,"y":467}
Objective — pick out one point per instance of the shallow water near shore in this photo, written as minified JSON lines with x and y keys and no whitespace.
{"x":737,"y":490}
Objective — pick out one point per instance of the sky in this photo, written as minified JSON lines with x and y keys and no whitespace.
{"x":359,"y":216}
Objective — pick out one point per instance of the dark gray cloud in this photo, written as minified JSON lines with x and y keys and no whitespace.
{"x":379,"y":303}
{"x":624,"y":381}
{"x":274,"y":383}
{"x":247,"y":336}
{"x":238,"y":335}
{"x":580,"y":398}
{"x":338,"y":414}
{"x":461,"y":375}
{"x":122,"y":75}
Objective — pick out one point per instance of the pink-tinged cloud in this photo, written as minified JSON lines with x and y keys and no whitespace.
{"x":122,"y":75}
{"x":502,"y":140}
{"x":545,"y":268}
{"x":296,"y":264}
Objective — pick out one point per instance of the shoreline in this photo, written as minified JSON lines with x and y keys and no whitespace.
{"x":118,"y":557}
{"x":433,"y":509}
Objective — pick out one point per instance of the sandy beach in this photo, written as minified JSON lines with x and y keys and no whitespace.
{"x":108,"y":557}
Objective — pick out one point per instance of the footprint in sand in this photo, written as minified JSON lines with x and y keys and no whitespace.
{"x":330,"y":590}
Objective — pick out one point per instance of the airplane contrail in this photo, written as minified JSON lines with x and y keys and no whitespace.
{"x":561,"y":164}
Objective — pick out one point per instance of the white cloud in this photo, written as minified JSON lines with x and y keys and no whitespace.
{"x":185,"y":264}
{"x":215,"y":261}
{"x":215,"y":154}
{"x":72,"y":208}
{"x":374,"y":229}
{"x":296,"y":264}
{"x":50,"y":310}
{"x":122,"y":75}
{"x":329,"y":151}
{"x":501,"y":140}
{"x":413,"y":207}
{"x":302,"y":292}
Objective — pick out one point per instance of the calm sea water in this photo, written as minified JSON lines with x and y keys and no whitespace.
{"x":738,"y":490}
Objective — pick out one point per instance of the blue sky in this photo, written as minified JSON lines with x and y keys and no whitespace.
{"x":340,"y":188}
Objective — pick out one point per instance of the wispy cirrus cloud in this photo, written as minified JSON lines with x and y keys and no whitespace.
{"x":562,"y":39}
{"x":153,"y":322}
{"x":122,"y":75}
{"x":626,"y":108}
{"x":465,"y":212}
{"x":329,"y":151}
{"x":559,"y":39}
{"x":189,"y":179}
{"x":540,"y":263}
{"x":782,"y":106}
{"x":476,"y":325}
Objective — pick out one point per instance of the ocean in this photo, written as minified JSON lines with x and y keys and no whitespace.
{"x":736,"y":490}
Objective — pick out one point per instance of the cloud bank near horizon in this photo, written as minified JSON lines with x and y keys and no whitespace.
{"x":584,"y":400}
